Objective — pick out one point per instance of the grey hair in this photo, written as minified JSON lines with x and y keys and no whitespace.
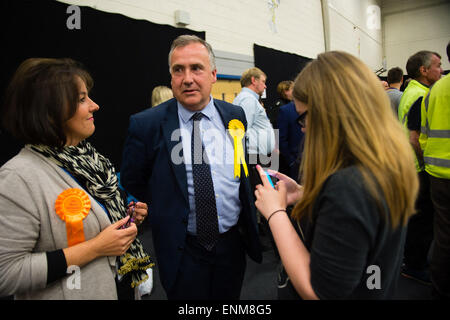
{"x":186,"y":39}
{"x":421,"y":58}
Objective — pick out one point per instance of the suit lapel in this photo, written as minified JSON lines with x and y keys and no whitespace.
{"x":169,"y":125}
{"x":227,"y":116}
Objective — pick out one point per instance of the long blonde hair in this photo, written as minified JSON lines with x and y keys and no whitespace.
{"x":350,"y":122}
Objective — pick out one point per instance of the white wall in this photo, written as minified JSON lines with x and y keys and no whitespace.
{"x":351,"y":32}
{"x":233,"y":26}
{"x":411,"y":26}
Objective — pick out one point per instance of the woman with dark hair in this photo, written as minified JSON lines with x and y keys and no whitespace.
{"x":62,"y":209}
{"x":358,"y":186}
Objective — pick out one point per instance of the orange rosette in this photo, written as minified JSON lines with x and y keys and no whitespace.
{"x":72,"y":206}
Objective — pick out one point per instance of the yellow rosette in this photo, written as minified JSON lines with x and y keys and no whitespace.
{"x":72,"y":206}
{"x":237,"y":132}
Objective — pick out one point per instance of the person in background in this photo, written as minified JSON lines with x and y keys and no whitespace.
{"x":358,"y":186}
{"x":284,"y":90}
{"x":424,"y":67}
{"x":161,"y":94}
{"x":435,"y":143}
{"x":260,"y":135}
{"x":291,"y":137}
{"x":61,"y":204}
{"x":395,"y":81}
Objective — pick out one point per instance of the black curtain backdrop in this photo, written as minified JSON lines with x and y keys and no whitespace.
{"x":278,"y":66}
{"x":127,"y":58}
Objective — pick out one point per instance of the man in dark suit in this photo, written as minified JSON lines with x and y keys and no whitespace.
{"x":179,"y":158}
{"x":291,"y":136}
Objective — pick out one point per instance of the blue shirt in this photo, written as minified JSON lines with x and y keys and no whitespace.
{"x":260,"y":134}
{"x":220,"y":151}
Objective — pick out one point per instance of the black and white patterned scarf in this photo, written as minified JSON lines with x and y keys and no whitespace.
{"x":97,"y":175}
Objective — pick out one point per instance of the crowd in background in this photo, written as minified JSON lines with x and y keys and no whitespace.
{"x":363,"y":182}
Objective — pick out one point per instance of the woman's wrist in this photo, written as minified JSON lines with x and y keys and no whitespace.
{"x":275,"y":212}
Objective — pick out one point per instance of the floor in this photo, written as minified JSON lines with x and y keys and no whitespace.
{"x":260,"y":282}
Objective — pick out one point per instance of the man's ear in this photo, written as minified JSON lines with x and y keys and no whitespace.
{"x":423,"y":70}
{"x":214,"y":73}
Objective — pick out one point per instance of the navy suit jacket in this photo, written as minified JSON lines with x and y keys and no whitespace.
{"x":290,"y":132}
{"x":149,"y":174}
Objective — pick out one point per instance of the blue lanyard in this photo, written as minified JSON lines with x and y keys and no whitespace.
{"x":101,"y":205}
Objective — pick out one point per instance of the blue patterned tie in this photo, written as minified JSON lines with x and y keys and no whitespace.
{"x":205,"y":201}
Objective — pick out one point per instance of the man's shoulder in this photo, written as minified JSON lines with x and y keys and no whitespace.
{"x":226,"y":104}
{"x":444,"y":82}
{"x":244,"y":95}
{"x":154,"y":112}
{"x":287,"y":108}
{"x":231,"y":110}
{"x":394,"y":92}
{"x":229,"y":107}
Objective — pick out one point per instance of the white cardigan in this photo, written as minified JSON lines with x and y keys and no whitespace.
{"x":29,"y":227}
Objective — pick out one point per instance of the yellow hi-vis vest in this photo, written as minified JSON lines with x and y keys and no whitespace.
{"x":413,"y":91}
{"x":435,"y":129}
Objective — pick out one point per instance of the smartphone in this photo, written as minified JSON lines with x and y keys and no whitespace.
{"x":255,"y":178}
{"x":130,"y":213}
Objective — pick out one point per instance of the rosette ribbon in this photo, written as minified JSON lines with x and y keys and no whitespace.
{"x":237,"y":132}
{"x":72,"y":206}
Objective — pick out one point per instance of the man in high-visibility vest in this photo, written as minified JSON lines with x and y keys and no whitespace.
{"x":424,"y":67}
{"x":435,"y":143}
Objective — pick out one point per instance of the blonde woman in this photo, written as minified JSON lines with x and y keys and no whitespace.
{"x":359,"y":186}
{"x":161,"y":94}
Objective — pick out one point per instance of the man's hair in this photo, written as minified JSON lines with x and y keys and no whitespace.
{"x":184,"y":40}
{"x":246,"y":78}
{"x":421,"y":58}
{"x":42,"y":95}
{"x":395,"y":75}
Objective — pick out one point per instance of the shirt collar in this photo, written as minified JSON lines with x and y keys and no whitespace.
{"x":245,"y":89}
{"x":187,"y":114}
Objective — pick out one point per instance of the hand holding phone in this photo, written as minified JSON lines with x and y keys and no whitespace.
{"x":269,"y":178}
{"x":255,"y":178}
{"x":130,"y":213}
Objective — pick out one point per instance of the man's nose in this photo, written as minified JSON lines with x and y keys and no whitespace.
{"x":187,"y":77}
